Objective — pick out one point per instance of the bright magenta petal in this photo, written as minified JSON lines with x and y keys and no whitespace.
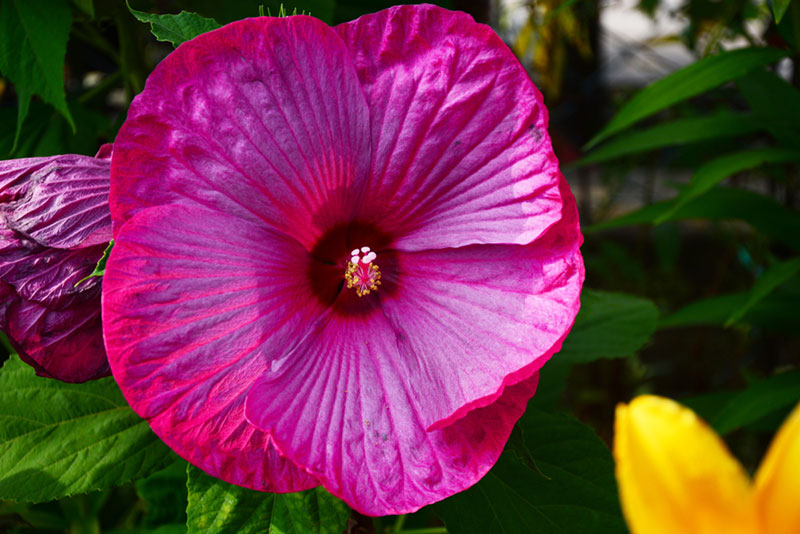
{"x":460,"y":148}
{"x":263,"y":119}
{"x":339,"y":407}
{"x":196,"y":305}
{"x":512,"y":305}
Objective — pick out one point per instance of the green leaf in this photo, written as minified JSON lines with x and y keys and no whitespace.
{"x":100,"y":268}
{"x":609,"y":325}
{"x":176,"y":528}
{"x":553,"y":13}
{"x":716,"y":170}
{"x":552,"y":382}
{"x":87,"y":6}
{"x":58,"y":439}
{"x":216,"y":507}
{"x":759,"y":399}
{"x":33,"y":43}
{"x":708,"y":405}
{"x":576,"y":494}
{"x":789,"y":26}
{"x":766,"y":284}
{"x":678,"y":132}
{"x":775,"y":101}
{"x":701,"y":76}
{"x":46,"y":132}
{"x":779,"y":8}
{"x":712,"y":310}
{"x":721,"y":203}
{"x":165,"y":495}
{"x":776,"y":311}
{"x":176,"y":29}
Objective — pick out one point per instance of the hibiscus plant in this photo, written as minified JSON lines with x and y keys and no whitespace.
{"x":319,"y":270}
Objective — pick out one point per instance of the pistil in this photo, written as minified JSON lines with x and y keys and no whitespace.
{"x":362,"y":274}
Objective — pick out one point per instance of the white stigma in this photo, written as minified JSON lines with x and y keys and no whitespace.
{"x":368,"y":255}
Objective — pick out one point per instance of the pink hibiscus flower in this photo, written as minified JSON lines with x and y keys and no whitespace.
{"x":342,"y":254}
{"x":54,"y":227}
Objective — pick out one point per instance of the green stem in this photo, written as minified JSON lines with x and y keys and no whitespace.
{"x":431,"y":530}
{"x":131,"y":61}
{"x":398,"y":524}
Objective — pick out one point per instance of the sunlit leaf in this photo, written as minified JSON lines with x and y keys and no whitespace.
{"x":699,"y":77}
{"x":176,"y":29}
{"x":216,"y":507}
{"x":59,"y":439}
{"x":100,"y":268}
{"x":87,"y":6}
{"x":716,"y":170}
{"x":560,"y":479}
{"x":33,"y":43}
{"x":609,"y":325}
{"x":779,"y":8}
{"x":677,"y":132}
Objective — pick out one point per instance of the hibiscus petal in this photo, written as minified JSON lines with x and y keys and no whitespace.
{"x":460,"y":151}
{"x":59,"y":201}
{"x":196,"y":305}
{"x":340,"y":408}
{"x":512,"y":305}
{"x":15,"y":176}
{"x":66,"y":344}
{"x":472,"y":320}
{"x":48,"y":275}
{"x":8,"y":297}
{"x":54,"y":226}
{"x":53,"y":325}
{"x":263,"y":119}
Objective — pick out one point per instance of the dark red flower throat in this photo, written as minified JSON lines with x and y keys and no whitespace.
{"x":331,"y":263}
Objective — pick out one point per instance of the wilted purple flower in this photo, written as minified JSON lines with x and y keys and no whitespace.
{"x":270,"y":176}
{"x":54,"y":226}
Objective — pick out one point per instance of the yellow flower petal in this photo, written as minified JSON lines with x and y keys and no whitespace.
{"x":675,"y":475}
{"x":777,"y":493}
